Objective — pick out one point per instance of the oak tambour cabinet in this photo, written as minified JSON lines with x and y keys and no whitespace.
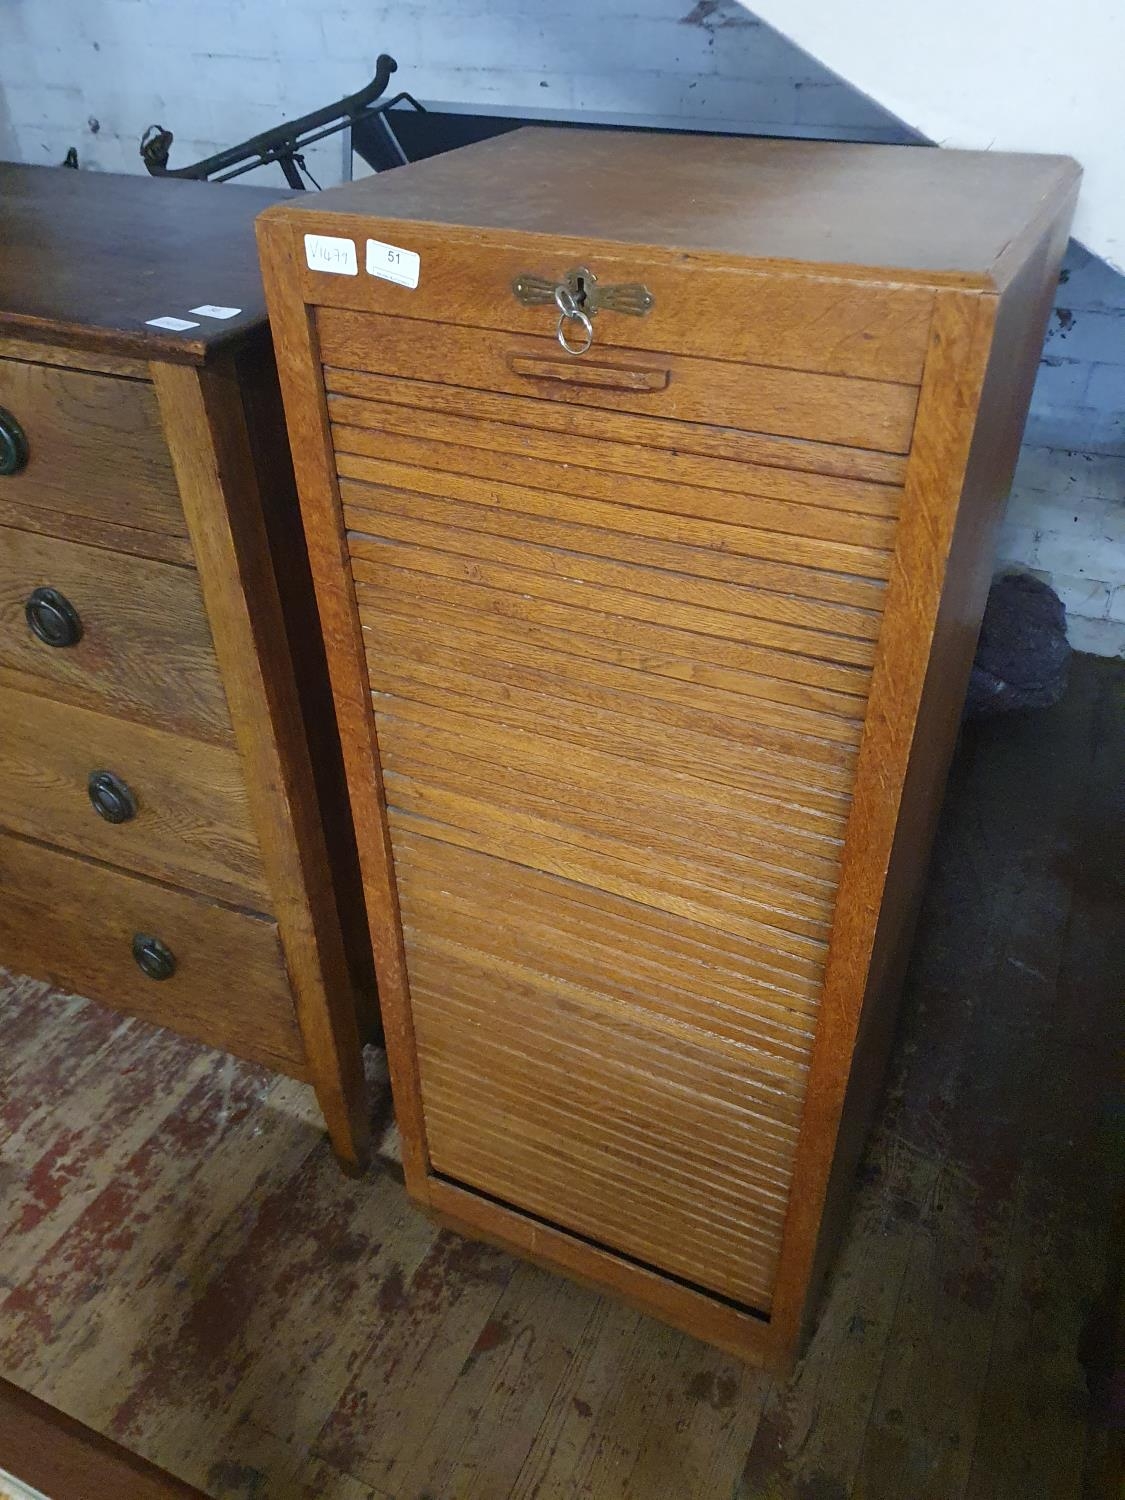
{"x":174,"y":833}
{"x":650,"y":487}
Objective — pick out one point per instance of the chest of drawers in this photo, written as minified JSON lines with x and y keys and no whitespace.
{"x":650,"y":486}
{"x":174,"y":837}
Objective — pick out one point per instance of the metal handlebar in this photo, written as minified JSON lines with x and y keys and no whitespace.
{"x":281,"y":144}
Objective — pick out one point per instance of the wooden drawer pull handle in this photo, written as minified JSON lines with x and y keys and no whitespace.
{"x":154,"y":958}
{"x":110,"y":797}
{"x":14,"y":451}
{"x":606,"y":377}
{"x":52,"y":618}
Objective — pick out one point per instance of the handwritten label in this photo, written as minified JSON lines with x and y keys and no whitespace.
{"x":174,"y":325}
{"x":209,"y":310}
{"x":326,"y":252}
{"x":391,"y":263}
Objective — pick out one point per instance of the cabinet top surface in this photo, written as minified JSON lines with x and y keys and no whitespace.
{"x":87,"y":258}
{"x":947,"y":216}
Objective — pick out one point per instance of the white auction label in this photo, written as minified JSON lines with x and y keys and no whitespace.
{"x":209,"y":310}
{"x":326,"y":252}
{"x":174,"y":325}
{"x":391,"y":263}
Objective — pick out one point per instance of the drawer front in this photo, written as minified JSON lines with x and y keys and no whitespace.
{"x":619,"y":658}
{"x":144,"y":651}
{"x":825,"y":323}
{"x":130,"y":795}
{"x":94,"y":448}
{"x":75,"y":923}
{"x":826,"y":408}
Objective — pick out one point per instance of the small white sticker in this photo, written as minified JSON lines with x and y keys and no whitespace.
{"x":175,"y":325}
{"x":325,"y":252}
{"x":209,"y":310}
{"x":391,"y":263}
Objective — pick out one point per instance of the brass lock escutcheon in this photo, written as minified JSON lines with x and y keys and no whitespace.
{"x":579,"y":298}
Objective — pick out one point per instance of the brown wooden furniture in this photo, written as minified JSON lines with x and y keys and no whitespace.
{"x":649,"y":660}
{"x":57,"y":1457}
{"x":174,"y":836}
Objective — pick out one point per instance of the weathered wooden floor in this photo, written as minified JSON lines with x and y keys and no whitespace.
{"x":183,"y":1267}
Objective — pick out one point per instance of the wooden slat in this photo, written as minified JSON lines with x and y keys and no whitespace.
{"x":610,"y":796}
{"x":786,"y":402}
{"x":724,"y":443}
{"x":631,"y":454}
{"x":622,"y":564}
{"x":620,"y":957}
{"x":794,"y":941}
{"x":856,"y":560}
{"x":745,"y":504}
{"x":480,"y":647}
{"x":605,"y":1127}
{"x":677,"y":666}
{"x":774,"y":897}
{"x":798,"y":812}
{"x":398,"y":650}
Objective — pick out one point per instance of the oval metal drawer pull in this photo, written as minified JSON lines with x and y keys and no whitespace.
{"x":112,"y":798}
{"x":153,"y":957}
{"x":52,"y":618}
{"x":14,"y":451}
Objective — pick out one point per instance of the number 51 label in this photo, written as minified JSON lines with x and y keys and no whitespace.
{"x":391,"y":263}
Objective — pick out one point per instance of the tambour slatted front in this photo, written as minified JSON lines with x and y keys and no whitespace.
{"x":634,"y":646}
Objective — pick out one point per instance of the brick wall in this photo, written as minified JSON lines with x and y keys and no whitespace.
{"x":94,"y":73}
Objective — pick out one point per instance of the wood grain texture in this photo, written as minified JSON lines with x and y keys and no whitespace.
{"x":96,"y":532}
{"x":87,"y":260}
{"x":73,"y":921}
{"x":206,"y":430}
{"x":146,"y":651}
{"x":53,"y":1454}
{"x":582,"y":645}
{"x":100,"y":428}
{"x":754,"y":398}
{"x":307,"y":421}
{"x":192,"y":826}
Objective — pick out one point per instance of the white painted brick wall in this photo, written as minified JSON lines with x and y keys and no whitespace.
{"x":95,"y":73}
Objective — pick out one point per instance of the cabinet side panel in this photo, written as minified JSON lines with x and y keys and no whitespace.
{"x":1013,"y":362}
{"x":975,"y":395}
{"x":302,"y":391}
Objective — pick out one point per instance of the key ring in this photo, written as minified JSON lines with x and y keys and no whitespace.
{"x":570,"y":312}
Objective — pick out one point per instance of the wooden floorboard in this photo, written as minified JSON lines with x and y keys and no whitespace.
{"x":183,"y":1267}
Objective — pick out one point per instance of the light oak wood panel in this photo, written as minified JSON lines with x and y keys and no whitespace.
{"x":673,"y":659}
{"x":617,"y":953}
{"x":704,"y":304}
{"x":371,"y":558}
{"x":192,"y":826}
{"x":398,"y":649}
{"x":428,"y":400}
{"x":617,"y":793}
{"x":754,"y":398}
{"x":424,"y":637}
{"x":852,"y":560}
{"x":813,"y":820}
{"x":98,"y":427}
{"x":598,"y":1163}
{"x":800,"y":504}
{"x":207,"y":420}
{"x":75,"y":921}
{"x":146,"y":651}
{"x":699,"y":550}
{"x":465,"y":530}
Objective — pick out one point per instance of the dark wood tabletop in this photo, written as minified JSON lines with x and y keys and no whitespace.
{"x":87,"y":258}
